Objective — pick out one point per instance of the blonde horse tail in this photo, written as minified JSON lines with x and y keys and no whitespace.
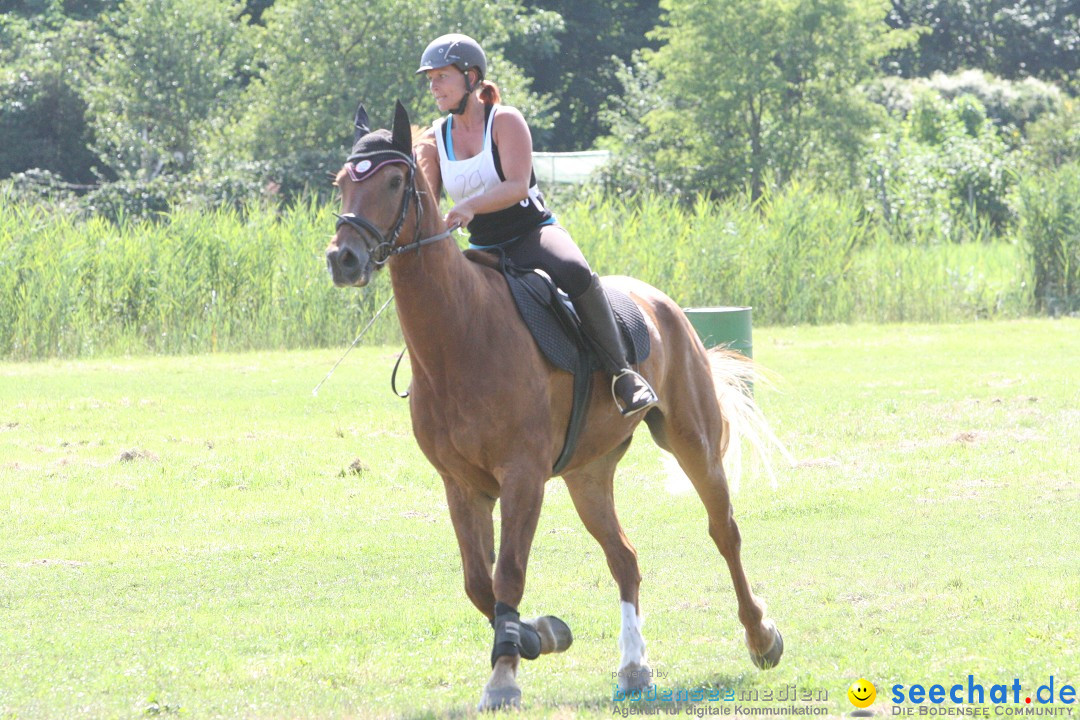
{"x":744,"y":424}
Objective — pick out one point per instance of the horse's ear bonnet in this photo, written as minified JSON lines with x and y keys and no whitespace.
{"x":402,"y":129}
{"x":373,"y":149}
{"x":360,"y":123}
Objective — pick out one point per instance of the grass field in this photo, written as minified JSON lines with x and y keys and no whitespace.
{"x":201,"y":537}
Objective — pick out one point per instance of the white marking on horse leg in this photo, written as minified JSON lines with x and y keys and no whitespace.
{"x":631,"y":643}
{"x":634,"y":670}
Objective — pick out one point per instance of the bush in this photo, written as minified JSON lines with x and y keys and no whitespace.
{"x":1054,"y":139}
{"x":1050,"y":229}
{"x":944,"y":172}
{"x":131,"y":199}
{"x":236,"y":187}
{"x":1010,"y":104}
{"x":41,"y":187}
{"x":931,"y":120}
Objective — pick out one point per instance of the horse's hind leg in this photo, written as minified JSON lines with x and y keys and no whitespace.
{"x":591,"y":490}
{"x":692,"y":429}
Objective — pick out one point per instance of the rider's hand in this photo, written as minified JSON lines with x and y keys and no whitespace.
{"x":460,"y":215}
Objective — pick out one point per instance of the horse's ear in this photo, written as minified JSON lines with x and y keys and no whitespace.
{"x":402,"y":132}
{"x":361,"y":123}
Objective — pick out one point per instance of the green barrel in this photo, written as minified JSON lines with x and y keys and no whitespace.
{"x":729,"y":327}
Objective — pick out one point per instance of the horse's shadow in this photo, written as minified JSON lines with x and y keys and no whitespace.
{"x":608,"y":704}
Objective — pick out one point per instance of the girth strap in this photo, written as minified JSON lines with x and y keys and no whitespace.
{"x":583,"y":381}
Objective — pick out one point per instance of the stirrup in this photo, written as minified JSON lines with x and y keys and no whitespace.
{"x":645,"y":397}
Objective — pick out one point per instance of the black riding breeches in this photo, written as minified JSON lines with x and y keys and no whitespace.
{"x":551,"y":249}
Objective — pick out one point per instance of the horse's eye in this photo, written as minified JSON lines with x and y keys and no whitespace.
{"x":395,"y":182}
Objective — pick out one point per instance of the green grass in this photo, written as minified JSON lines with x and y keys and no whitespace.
{"x":184,"y":537}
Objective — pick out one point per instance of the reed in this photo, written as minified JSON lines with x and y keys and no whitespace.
{"x":1050,"y":229}
{"x":801,"y":256}
{"x":190,"y":282}
{"x":223,"y":280}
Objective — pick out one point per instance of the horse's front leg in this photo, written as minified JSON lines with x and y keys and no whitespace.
{"x":470,"y":513}
{"x":521,"y":496}
{"x":591,"y":489}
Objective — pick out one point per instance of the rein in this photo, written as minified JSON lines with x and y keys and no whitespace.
{"x":385,"y":248}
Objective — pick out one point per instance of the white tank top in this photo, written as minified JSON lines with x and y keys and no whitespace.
{"x":463,"y":179}
{"x":466,"y":178}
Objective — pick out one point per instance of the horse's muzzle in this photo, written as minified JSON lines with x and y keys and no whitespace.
{"x":348,"y":267}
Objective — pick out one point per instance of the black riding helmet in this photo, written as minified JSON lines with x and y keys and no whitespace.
{"x":458,"y":50}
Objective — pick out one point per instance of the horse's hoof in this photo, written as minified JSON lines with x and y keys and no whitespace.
{"x":508,"y":698}
{"x":771,"y":657}
{"x":635,"y":677}
{"x":555,"y":635}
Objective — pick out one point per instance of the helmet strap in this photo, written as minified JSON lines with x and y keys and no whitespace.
{"x":469,"y":87}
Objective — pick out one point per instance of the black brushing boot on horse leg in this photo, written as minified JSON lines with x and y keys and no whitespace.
{"x":631,"y":391}
{"x":511,"y":638}
{"x":528,"y":638}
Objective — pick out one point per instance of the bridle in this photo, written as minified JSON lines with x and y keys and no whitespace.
{"x":386,"y":248}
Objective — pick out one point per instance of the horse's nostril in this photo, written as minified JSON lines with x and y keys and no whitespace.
{"x":348,"y":259}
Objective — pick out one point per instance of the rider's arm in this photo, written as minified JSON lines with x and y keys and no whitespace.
{"x":511,"y":133}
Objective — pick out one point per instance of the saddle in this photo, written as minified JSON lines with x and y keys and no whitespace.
{"x":554,"y":325}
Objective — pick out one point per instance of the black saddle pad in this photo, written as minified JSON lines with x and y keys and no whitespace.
{"x":554,"y":324}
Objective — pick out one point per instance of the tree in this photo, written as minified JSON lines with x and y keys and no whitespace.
{"x":1039,"y":39}
{"x":1010,"y":38}
{"x":319,"y":58}
{"x":53,"y":10}
{"x":43,"y":56}
{"x":634,"y":147}
{"x":761,"y":89}
{"x":169,"y":72}
{"x":572,"y":61}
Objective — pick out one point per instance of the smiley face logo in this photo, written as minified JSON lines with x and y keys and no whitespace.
{"x":862,"y":693}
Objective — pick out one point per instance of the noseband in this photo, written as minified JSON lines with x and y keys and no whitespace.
{"x":386,"y":248}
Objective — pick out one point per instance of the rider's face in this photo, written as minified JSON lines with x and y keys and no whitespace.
{"x":447,"y":86}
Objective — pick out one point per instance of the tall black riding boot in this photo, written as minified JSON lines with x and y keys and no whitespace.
{"x":632,"y":392}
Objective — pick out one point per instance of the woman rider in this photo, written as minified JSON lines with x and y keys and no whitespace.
{"x":482,"y":156}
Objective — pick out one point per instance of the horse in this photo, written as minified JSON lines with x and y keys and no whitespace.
{"x":490,"y":412}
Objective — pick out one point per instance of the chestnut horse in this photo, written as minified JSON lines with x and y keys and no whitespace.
{"x":490,"y":412}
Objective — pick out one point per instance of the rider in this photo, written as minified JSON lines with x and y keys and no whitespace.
{"x":481,"y":153}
